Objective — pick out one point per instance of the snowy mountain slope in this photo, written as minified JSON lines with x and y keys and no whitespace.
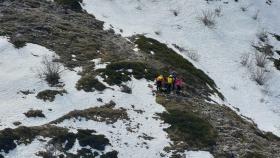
{"x":146,"y":137}
{"x":92,"y":113}
{"x":219,"y":49}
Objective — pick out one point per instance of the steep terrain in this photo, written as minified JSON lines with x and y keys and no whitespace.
{"x":234,"y":41}
{"x":103,"y":103}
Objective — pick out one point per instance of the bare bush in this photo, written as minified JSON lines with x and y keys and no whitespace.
{"x":208,"y":18}
{"x":261,"y":60}
{"x":193,"y":55}
{"x":50,"y":71}
{"x":244,"y":59}
{"x":259,"y":75}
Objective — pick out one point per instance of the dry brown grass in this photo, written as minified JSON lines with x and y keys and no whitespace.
{"x":104,"y":113}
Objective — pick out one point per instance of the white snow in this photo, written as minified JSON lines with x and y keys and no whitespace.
{"x":219,"y":49}
{"x":198,"y":154}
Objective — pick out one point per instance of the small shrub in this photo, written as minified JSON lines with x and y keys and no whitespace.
{"x":50,"y":71}
{"x":89,"y":83}
{"x":49,"y":94}
{"x":259,"y":75}
{"x":244,"y":59}
{"x":208,"y":18}
{"x":261,"y":60}
{"x":34,"y":113}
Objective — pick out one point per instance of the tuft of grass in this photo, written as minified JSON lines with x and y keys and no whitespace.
{"x":34,"y":113}
{"x":189,"y":127}
{"x":89,"y":83}
{"x":50,"y":94}
{"x":50,"y":71}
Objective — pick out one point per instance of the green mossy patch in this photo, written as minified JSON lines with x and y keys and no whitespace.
{"x":89,"y":83}
{"x":190,"y":128}
{"x":119,"y":72}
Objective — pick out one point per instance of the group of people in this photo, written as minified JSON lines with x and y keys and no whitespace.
{"x":169,"y":83}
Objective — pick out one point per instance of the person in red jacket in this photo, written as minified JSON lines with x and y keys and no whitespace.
{"x":178,"y":84}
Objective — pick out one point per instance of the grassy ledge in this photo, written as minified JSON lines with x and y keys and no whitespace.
{"x":195,"y":78}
